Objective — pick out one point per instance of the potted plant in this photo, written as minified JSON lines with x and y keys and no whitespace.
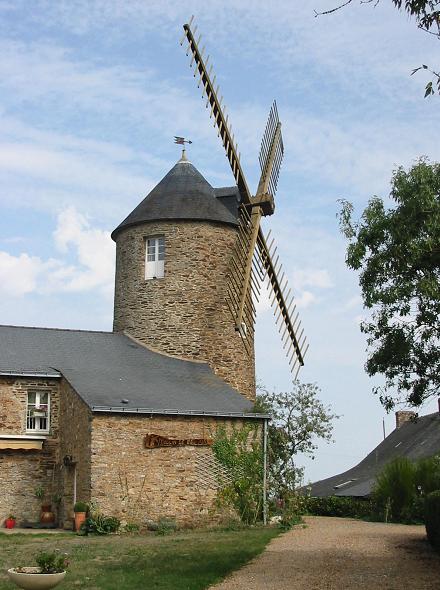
{"x":80,"y":510}
{"x":10,"y":522}
{"x":50,"y":571}
{"x":46,"y":514}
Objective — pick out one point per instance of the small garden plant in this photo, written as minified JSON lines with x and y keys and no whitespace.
{"x":49,"y":562}
{"x":52,"y":562}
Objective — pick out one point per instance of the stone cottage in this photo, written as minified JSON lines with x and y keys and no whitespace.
{"x":126,"y":418}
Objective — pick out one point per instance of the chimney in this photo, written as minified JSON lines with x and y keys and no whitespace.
{"x":404,"y":416}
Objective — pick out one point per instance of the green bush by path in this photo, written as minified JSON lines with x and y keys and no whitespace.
{"x":432,"y":518}
{"x":344,"y":507}
{"x":182,"y":561}
{"x":395,"y":489}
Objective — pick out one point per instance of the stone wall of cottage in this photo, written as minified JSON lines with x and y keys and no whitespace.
{"x":138,"y":484}
{"x":75,"y":441}
{"x":185,"y":313}
{"x":22,"y":471}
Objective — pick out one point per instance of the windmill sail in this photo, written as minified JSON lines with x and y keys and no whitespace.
{"x":217,"y":109}
{"x":271,"y":153}
{"x":253,"y":259}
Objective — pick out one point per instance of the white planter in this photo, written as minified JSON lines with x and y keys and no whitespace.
{"x":30,"y":579}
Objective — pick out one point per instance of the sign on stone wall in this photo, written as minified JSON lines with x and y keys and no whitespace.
{"x":155,"y":441}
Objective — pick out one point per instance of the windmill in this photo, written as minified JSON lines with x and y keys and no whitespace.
{"x":254,"y":257}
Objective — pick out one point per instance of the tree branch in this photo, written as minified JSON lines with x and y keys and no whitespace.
{"x":333,"y":9}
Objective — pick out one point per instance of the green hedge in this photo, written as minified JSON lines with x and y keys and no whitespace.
{"x":432,"y":518}
{"x":339,"y":506}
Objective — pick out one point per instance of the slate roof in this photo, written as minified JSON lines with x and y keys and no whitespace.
{"x":105,"y":368}
{"x":185,"y":194}
{"x":413,"y":440}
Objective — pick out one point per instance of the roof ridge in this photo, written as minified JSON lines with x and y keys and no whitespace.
{"x":57,"y":329}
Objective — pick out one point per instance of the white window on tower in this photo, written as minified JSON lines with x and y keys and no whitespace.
{"x":154,"y":257}
{"x":38,"y":411}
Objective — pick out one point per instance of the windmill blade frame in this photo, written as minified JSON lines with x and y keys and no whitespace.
{"x":252,"y":258}
{"x":221,"y":121}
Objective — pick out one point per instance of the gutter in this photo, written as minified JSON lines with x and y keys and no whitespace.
{"x":169,"y":412}
{"x":55,"y":375}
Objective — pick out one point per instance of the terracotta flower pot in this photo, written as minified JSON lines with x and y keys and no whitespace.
{"x":30,"y":578}
{"x":10,"y":523}
{"x":46,"y":515}
{"x":80,"y":517}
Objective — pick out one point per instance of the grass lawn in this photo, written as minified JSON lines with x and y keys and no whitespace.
{"x":182,"y":561}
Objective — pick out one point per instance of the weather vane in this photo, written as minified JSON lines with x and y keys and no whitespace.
{"x":181,"y":140}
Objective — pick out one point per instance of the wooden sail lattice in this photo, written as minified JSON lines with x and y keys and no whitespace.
{"x":271,"y":143}
{"x":253,"y":260}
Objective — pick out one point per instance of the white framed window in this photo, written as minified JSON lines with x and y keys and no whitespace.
{"x":38,"y":411}
{"x":154,"y":257}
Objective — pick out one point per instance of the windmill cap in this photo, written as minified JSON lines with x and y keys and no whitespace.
{"x":184,"y":194}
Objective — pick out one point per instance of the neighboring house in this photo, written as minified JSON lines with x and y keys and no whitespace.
{"x":413,"y":438}
{"x":126,"y":418}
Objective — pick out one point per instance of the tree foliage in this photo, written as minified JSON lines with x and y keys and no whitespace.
{"x":397,"y":252}
{"x":299,"y":419}
{"x":402,"y":486}
{"x":240,"y":452}
{"x":427,"y":16}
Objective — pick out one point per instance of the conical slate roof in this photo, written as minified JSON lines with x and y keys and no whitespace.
{"x":182,"y":194}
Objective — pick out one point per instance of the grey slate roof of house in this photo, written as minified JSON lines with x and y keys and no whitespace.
{"x":106,"y":367}
{"x":184,"y":193}
{"x":414,"y":440}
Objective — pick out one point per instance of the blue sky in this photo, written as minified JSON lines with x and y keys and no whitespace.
{"x":92,"y":93}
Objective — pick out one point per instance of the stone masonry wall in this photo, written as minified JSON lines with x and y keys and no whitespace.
{"x":22,"y":471}
{"x":138,"y":484}
{"x":184,"y":313}
{"x":75,"y":440}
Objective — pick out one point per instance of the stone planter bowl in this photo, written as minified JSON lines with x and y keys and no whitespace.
{"x":30,"y":579}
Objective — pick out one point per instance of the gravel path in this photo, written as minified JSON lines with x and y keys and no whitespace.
{"x":339,"y":554}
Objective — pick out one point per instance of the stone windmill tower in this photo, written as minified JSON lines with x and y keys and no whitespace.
{"x":172,"y":258}
{"x":190,"y":259}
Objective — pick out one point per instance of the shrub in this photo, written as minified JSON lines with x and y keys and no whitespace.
{"x":52,"y":562}
{"x":395,"y":489}
{"x":344,"y":507}
{"x":101,"y":525}
{"x":165,"y":526}
{"x":428,"y":474}
{"x":80,"y":507}
{"x":432,"y":518}
{"x":131,"y":527}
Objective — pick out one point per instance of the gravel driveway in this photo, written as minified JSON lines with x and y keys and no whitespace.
{"x":339,"y":553}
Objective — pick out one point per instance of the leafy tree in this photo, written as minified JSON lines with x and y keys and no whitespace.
{"x":427,"y":17}
{"x":299,"y":418}
{"x":397,"y":252}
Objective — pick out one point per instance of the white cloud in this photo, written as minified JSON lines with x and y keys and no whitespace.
{"x":92,"y":267}
{"x":305,"y":299}
{"x":318,"y":278}
{"x":94,"y":251}
{"x":21,"y":274}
